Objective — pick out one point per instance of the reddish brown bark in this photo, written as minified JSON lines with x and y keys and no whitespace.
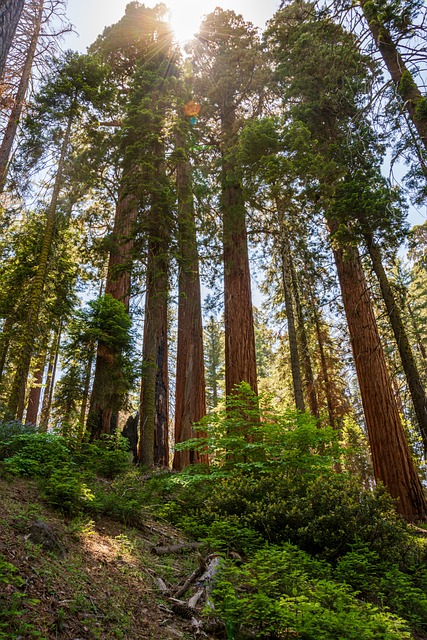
{"x":35,"y":391}
{"x":154,"y":444}
{"x":104,"y":399}
{"x":121,"y":253}
{"x":190,"y":395}
{"x":240,"y":357}
{"x":154,"y":407}
{"x":391,"y":457}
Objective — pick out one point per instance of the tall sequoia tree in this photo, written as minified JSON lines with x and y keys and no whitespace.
{"x":139,"y":36}
{"x":190,"y":392}
{"x":227,"y":57}
{"x":328,"y":88}
{"x":10,"y":12}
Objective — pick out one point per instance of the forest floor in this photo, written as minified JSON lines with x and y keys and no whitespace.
{"x":102,"y":582}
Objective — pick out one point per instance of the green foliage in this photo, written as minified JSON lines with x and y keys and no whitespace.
{"x":249,"y":435}
{"x":34,"y":454}
{"x":282,"y":591}
{"x":65,"y":490}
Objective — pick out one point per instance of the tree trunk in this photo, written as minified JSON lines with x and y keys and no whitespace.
{"x":4,"y":343}
{"x":50,"y":379}
{"x":240,"y":355}
{"x":420,"y":344}
{"x":17,"y":395}
{"x":413,"y":100}
{"x":292,"y":333}
{"x":35,"y":392}
{"x":10,"y":12}
{"x":416,"y":388}
{"x":104,"y":399}
{"x":15,"y":114}
{"x":324,"y":367}
{"x":85,"y":397}
{"x":190,"y":395}
{"x":391,"y":457}
{"x":154,"y":411}
{"x":310,"y":385}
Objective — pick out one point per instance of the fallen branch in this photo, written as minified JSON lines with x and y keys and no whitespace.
{"x":191,"y":579}
{"x":175,"y":548}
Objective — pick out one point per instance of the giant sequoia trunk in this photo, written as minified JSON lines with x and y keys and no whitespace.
{"x":416,"y":388}
{"x":17,"y":395}
{"x":413,"y":100}
{"x":240,"y":357}
{"x":190,"y":396}
{"x":154,"y":409}
{"x":105,"y":399}
{"x":10,"y":12}
{"x":391,"y":457}
{"x":15,"y":114}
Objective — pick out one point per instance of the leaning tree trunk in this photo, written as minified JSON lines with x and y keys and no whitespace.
{"x":190,"y":395}
{"x":154,"y":408}
{"x":240,"y":355}
{"x":416,"y":387}
{"x":10,"y":12}
{"x":413,"y":100}
{"x":17,"y":395}
{"x":5,"y":342}
{"x":104,"y":398}
{"x":15,"y":114}
{"x":391,"y":457}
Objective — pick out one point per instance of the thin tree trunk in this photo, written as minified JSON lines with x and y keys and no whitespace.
{"x":403,"y":80}
{"x":104,"y":398}
{"x":85,"y":397}
{"x":240,"y":354}
{"x":4,"y":343}
{"x":15,"y":114}
{"x":292,"y":333}
{"x":391,"y":457}
{"x":416,"y":388}
{"x":17,"y":396}
{"x":190,"y":394}
{"x":310,"y":385}
{"x":324,"y":367}
{"x":10,"y":12}
{"x":35,"y":392}
{"x":50,"y":379}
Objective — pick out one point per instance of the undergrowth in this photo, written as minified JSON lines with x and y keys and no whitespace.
{"x":307,"y":552}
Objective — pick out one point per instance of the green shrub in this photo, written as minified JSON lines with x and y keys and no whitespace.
{"x":282,"y":592}
{"x":65,"y":490}
{"x":35,"y":454}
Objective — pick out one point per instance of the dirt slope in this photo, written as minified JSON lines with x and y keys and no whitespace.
{"x":102,"y":582}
